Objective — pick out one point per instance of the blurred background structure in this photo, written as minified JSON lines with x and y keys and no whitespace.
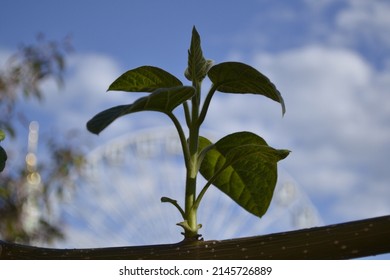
{"x":130,"y":173}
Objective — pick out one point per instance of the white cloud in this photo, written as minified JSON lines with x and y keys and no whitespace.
{"x":336,"y":123}
{"x":367,"y":20}
{"x":85,"y":89}
{"x":84,"y":95}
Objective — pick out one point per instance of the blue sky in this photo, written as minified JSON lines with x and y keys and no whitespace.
{"x":330,"y":59}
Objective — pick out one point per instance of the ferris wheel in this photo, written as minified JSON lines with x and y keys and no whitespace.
{"x":118,"y":201}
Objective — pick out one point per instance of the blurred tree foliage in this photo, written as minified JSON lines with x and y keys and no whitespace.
{"x":27,"y":189}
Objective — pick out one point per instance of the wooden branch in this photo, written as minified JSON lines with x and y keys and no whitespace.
{"x":342,"y":241}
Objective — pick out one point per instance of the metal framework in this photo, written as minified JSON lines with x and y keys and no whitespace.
{"x":125,"y":178}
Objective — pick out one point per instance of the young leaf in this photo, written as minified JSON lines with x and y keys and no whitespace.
{"x":236,"y":77}
{"x":244,"y":167}
{"x":163,"y":100}
{"x":145,"y":79}
{"x":198,"y":66}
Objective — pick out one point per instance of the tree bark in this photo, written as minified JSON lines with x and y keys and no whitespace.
{"x":341,"y":241}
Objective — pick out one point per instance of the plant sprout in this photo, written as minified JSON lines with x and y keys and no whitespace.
{"x":242,"y":164}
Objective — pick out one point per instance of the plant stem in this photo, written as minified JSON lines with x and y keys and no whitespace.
{"x":201,"y":194}
{"x":182,"y":138}
{"x":206,"y":104}
{"x":206,"y":187}
{"x":174,"y":203}
{"x":187,"y":113}
{"x":192,"y":169}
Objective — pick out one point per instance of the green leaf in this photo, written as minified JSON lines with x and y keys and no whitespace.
{"x":198,"y":66}
{"x":163,"y":100}
{"x":145,"y":79}
{"x":236,"y":77}
{"x":3,"y":158}
{"x":2,"y":135}
{"x":244,"y":167}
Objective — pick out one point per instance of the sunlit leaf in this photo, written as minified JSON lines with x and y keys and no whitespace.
{"x":145,"y":79}
{"x":236,"y":77}
{"x":163,"y":100}
{"x":244,"y":167}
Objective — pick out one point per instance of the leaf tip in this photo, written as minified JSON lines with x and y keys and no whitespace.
{"x":165,"y":199}
{"x":283,"y":154}
{"x":91,"y":127}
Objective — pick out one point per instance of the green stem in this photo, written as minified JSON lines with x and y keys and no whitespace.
{"x":194,"y":127}
{"x":192,"y":170}
{"x":182,"y":138}
{"x":206,"y":104}
{"x":174,"y":203}
{"x":187,"y":114}
{"x":190,"y":212}
{"x":208,"y":184}
{"x":205,"y":188}
{"x":201,"y":194}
